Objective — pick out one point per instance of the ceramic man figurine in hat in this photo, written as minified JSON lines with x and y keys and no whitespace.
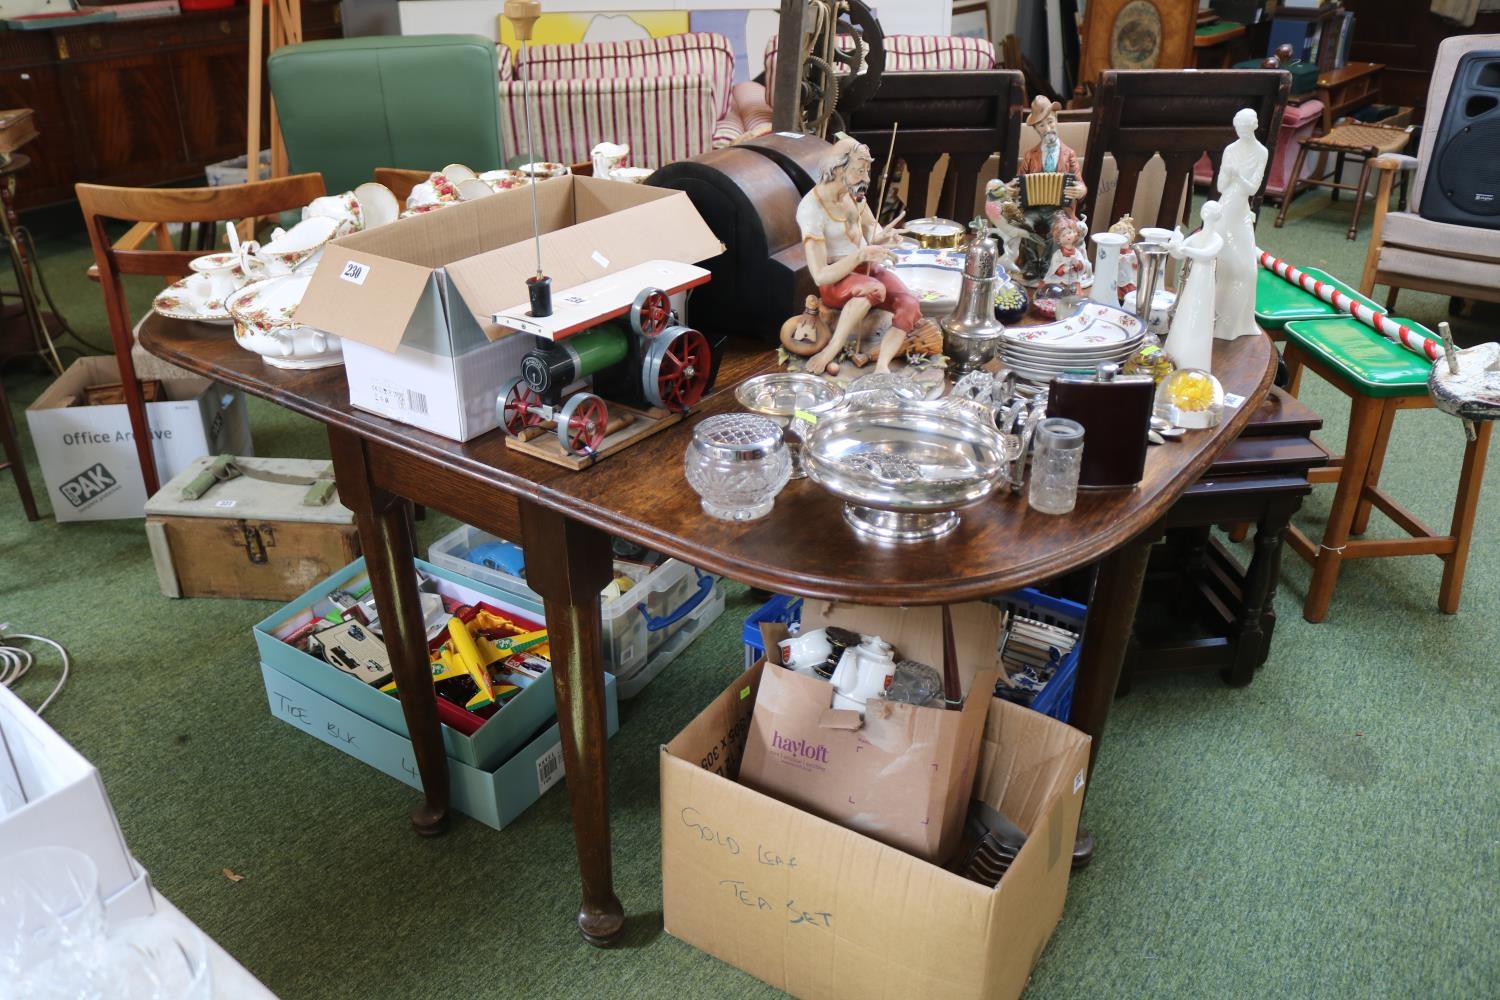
{"x":847,"y":253}
{"x":1051,"y":156}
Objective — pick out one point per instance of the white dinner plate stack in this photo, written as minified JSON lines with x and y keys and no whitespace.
{"x":1094,"y":334}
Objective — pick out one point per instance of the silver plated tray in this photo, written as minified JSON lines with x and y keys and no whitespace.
{"x":905,"y":470}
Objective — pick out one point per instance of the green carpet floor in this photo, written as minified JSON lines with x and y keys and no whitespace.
{"x":1329,"y":831}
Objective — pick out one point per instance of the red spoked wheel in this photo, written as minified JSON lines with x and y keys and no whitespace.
{"x":678,"y":366}
{"x":581,"y":423}
{"x":651,"y":312}
{"x":520,"y":406}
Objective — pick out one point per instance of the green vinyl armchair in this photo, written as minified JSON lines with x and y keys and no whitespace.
{"x":350,"y":105}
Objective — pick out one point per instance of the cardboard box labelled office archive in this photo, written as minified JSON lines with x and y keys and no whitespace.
{"x":87,"y":453}
{"x":413,"y":301}
{"x":821,"y":911}
{"x":495,"y":773}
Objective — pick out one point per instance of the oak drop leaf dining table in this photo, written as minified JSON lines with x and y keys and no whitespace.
{"x":564,"y":521}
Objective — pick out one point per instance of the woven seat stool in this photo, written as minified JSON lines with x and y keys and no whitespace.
{"x":1381,"y":379}
{"x":1364,"y":142}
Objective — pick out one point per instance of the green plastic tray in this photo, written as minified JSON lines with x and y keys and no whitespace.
{"x":1279,"y":302}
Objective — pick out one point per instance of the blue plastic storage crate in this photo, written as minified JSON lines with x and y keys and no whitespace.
{"x":1055,"y":700}
{"x":777,"y":609}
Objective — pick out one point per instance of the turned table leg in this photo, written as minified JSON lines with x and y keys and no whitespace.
{"x":384,"y":522}
{"x":568,"y":563}
{"x":1106,"y":635}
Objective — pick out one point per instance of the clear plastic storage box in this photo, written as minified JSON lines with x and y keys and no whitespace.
{"x":645,"y":628}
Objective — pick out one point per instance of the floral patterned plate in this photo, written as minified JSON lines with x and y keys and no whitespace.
{"x":190,"y":299}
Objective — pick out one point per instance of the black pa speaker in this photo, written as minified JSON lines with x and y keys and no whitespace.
{"x":1463,"y":177}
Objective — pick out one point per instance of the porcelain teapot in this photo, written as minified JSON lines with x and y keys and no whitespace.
{"x":864,"y":672}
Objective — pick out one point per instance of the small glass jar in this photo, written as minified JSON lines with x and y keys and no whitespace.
{"x":737,"y":463}
{"x":1056,"y":457}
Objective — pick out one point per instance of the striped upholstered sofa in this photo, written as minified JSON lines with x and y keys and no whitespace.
{"x":903,"y":54}
{"x":667,"y":98}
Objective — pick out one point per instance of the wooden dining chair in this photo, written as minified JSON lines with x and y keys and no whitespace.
{"x":150,"y":211}
{"x":1179,"y":116}
{"x":401,"y":180}
{"x":968,"y":116}
{"x":13,"y":460}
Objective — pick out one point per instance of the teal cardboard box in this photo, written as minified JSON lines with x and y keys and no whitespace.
{"x":491,"y":745}
{"x":495,"y":796}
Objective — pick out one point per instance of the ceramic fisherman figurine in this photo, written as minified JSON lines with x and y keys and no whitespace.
{"x":1239,"y":180}
{"x":847,"y":253}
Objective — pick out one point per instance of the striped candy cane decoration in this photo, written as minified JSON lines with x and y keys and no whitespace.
{"x":1400,"y":333}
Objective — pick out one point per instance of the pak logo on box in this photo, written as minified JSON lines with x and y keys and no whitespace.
{"x":94,"y":483}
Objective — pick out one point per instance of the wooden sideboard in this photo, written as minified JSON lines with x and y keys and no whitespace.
{"x":135,"y":102}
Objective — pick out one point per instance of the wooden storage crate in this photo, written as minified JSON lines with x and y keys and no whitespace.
{"x":248,"y":537}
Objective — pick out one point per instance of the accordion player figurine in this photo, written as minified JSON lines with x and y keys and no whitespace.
{"x":1046,"y":184}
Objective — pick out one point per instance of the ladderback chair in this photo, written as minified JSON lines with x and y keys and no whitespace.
{"x":969,"y":116}
{"x":349,"y":105}
{"x":1178,"y":116}
{"x":149,"y":210}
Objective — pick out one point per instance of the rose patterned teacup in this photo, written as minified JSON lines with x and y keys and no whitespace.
{"x":343,"y":209}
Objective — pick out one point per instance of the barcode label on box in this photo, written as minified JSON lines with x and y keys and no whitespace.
{"x":390,"y":397}
{"x":225,"y":503}
{"x":1077,"y":782}
{"x":549,"y":769}
{"x":599,"y":259}
{"x":355,"y":272}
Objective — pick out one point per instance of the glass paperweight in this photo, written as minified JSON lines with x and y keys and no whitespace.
{"x":1047,"y":299}
{"x":1010,"y":302}
{"x":737,"y":463}
{"x":1191,"y":398}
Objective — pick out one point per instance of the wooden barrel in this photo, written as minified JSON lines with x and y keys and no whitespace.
{"x":749,"y":198}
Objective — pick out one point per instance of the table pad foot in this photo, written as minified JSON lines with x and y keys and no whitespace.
{"x":1083,"y":850}
{"x":602,"y":928}
{"x":428,"y":821}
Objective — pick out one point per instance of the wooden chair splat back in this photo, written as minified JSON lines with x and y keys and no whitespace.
{"x":150,"y":210}
{"x":1178,"y":116}
{"x":969,"y":115}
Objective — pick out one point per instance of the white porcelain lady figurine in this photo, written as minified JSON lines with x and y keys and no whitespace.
{"x":1239,"y":179}
{"x":1190,"y":338}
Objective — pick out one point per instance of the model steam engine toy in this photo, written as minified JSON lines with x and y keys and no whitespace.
{"x":645,"y":368}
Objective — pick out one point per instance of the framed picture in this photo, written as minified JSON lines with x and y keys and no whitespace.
{"x":971,"y":18}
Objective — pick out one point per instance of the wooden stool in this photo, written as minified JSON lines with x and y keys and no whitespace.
{"x":13,"y":461}
{"x":1200,"y":609}
{"x":1381,"y":378}
{"x":1363,"y":141}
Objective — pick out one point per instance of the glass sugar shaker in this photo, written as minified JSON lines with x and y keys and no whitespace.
{"x":737,"y":463}
{"x":1057,"y":455}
